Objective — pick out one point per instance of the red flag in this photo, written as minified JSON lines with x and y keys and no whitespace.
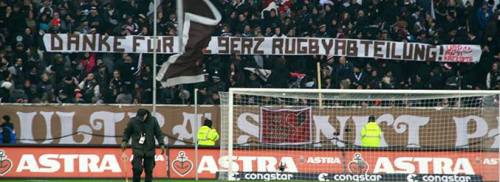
{"x":286,"y":125}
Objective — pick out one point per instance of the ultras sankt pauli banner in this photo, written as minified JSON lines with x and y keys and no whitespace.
{"x":104,"y":124}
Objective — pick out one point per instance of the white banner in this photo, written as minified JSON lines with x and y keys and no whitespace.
{"x":269,"y":46}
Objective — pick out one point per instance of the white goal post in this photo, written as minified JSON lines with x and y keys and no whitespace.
{"x":319,"y":134}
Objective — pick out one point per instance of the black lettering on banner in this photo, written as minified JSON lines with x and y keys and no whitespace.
{"x":223,"y":44}
{"x":378,"y":49}
{"x":234,"y":42}
{"x":246,"y":45}
{"x":352,"y":48}
{"x":388,"y":49}
{"x":290,"y":45}
{"x":277,"y":44}
{"x":393,"y":52}
{"x":53,"y":39}
{"x":313,"y":46}
{"x":340,"y":45}
{"x":257,"y":46}
{"x":367,"y":44}
{"x":168,"y":43}
{"x":430,"y":54}
{"x":151,"y":44}
{"x":117,"y":44}
{"x":441,"y":51}
{"x":90,"y":43}
{"x":407,"y":51}
{"x":419,"y":52}
{"x":302,"y":49}
{"x":103,"y":41}
{"x":327,"y":44}
{"x":73,"y":39}
{"x":135,"y":43}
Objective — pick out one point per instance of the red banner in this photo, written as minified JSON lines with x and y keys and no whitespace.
{"x":285,"y":126}
{"x":485,"y":164}
{"x":100,"y":162}
{"x":69,"y":162}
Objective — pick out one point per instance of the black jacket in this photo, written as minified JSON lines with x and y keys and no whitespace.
{"x":152,"y":130}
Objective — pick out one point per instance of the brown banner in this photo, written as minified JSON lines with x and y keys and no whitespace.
{"x":407,"y":127}
{"x":42,"y":122}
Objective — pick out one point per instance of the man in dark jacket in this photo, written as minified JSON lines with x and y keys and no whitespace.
{"x":6,"y":122}
{"x":143,"y":129}
{"x":7,"y":131}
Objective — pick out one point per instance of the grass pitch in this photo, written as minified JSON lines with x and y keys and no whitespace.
{"x":94,"y":180}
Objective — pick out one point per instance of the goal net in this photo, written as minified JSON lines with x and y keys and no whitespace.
{"x":298,"y":134}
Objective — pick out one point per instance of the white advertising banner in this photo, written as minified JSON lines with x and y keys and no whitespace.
{"x":269,"y":46}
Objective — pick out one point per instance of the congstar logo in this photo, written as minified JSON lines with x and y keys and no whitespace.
{"x":411,"y":178}
{"x":263,"y":176}
{"x":438,"y":178}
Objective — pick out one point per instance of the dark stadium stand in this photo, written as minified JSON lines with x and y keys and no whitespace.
{"x":28,"y":74}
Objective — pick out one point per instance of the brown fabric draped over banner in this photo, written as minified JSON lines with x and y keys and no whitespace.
{"x":402,"y":127}
{"x":200,"y":20}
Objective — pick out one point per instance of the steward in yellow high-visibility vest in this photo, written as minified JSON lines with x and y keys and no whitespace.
{"x":206,"y":135}
{"x":371,"y":134}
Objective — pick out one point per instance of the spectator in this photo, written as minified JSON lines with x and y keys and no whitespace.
{"x":90,"y":89}
{"x":88,"y":63}
{"x":216,"y":85}
{"x":417,"y":83}
{"x":483,"y":15}
{"x":341,"y":71}
{"x":115,"y":85}
{"x":388,"y":81}
{"x":493,"y":78}
{"x":253,"y":81}
{"x":144,"y":88}
{"x":8,"y":134}
{"x":66,"y":89}
{"x":31,"y":92}
{"x":279,"y":74}
{"x":5,"y":88}
{"x":18,"y":73}
{"x":358,"y":77}
{"x":127,"y":70}
{"x":124,"y":96}
{"x":46,"y":89}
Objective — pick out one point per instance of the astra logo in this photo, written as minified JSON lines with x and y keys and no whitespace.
{"x":82,"y":163}
{"x":323,"y":160}
{"x":424,"y":165}
{"x":248,"y":163}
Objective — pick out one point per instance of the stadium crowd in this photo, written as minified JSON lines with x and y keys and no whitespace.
{"x":28,"y":74}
